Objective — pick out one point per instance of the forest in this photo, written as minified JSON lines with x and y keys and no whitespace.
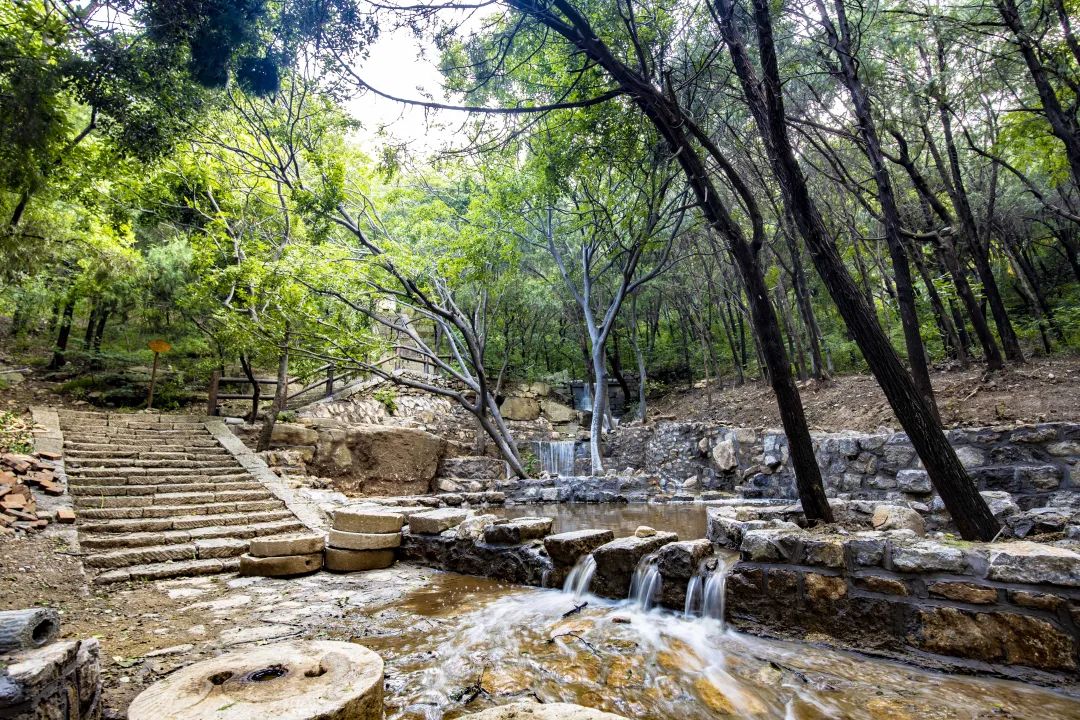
{"x":652,"y":193}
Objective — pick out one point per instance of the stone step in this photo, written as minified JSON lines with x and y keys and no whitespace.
{"x":74,"y":465}
{"x":232,"y":475}
{"x":210,"y":469}
{"x":162,"y":571}
{"x":87,"y":456}
{"x":178,"y":511}
{"x":107,"y":541}
{"x":201,"y":549}
{"x":191,"y":446}
{"x":184,"y":522}
{"x":98,"y":491}
{"x":171,"y":498}
{"x":175,"y":437}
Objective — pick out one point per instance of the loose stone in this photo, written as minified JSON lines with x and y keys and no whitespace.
{"x":284,"y":566}
{"x":363,"y":541}
{"x":338,"y":560}
{"x":266,"y":547}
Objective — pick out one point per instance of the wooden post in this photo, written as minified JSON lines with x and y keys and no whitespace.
{"x":212,"y":392}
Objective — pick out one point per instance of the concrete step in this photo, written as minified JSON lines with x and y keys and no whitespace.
{"x":232,"y":475}
{"x":157,"y":512}
{"x":87,"y":456}
{"x":112,"y":491}
{"x":165,"y":570}
{"x":171,"y":498}
{"x":108,"y":541}
{"x":202,"y":549}
{"x":217,"y":468}
{"x":183,"y":522}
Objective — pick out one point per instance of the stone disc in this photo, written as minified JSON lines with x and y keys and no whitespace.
{"x":279,"y":546}
{"x":537,"y":711}
{"x":306,"y":680}
{"x":363,"y":541}
{"x":284,"y":566}
{"x":358,"y":560}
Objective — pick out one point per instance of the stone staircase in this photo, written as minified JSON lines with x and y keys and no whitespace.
{"x":157,"y":496}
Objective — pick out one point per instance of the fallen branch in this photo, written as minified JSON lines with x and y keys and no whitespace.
{"x":585,"y":642}
{"x":576,"y":610}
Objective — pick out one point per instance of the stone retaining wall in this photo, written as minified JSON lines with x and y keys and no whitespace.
{"x":1010,"y":609}
{"x":60,"y":681}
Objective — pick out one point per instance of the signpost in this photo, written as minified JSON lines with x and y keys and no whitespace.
{"x":158,"y":346}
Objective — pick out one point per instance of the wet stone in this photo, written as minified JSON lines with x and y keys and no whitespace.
{"x":617,"y":560}
{"x":518,"y":530}
{"x":887,"y":586}
{"x":964,"y":592}
{"x":995,"y":637}
{"x":566,"y":548}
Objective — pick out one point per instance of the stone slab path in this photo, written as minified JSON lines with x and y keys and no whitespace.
{"x":159,"y":496}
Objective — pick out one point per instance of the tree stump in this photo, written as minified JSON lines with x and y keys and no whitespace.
{"x":28,"y":629}
{"x":308,"y":680}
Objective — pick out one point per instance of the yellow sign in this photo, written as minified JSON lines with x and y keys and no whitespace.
{"x":159,"y":346}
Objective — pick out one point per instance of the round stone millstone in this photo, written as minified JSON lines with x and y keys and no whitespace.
{"x":361,"y":520}
{"x":538,"y":711}
{"x":358,"y":560}
{"x":284,"y":566}
{"x":363,"y":541}
{"x":307,"y":680}
{"x":299,"y":544}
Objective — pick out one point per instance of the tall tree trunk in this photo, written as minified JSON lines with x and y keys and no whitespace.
{"x":256,"y":388}
{"x":961,"y":497}
{"x":950,"y":338}
{"x":91,"y":321}
{"x":281,"y":391}
{"x":59,"y":357}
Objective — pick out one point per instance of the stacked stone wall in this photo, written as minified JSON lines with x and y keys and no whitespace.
{"x":60,"y":681}
{"x":1011,"y":609}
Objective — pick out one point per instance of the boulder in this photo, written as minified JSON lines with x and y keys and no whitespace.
{"x":896,"y":517}
{"x":473,"y":528}
{"x":616,"y":561}
{"x":518,"y":530}
{"x":520,"y":409}
{"x":293,"y":434}
{"x":677,"y":563}
{"x":433,"y":522}
{"x":558,"y":413}
{"x":363,"y":541}
{"x":545,"y":711}
{"x":724,"y":455}
{"x":566,"y":548}
{"x":379,"y":459}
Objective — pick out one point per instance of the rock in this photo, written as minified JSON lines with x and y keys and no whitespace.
{"x":776,"y":545}
{"x":644,"y":531}
{"x":363,"y":541}
{"x":545,"y":711}
{"x":292,"y":434}
{"x":616,"y":561}
{"x":724,"y":455}
{"x":299,"y":544}
{"x":995,"y":637}
{"x":913,"y":481}
{"x":380,"y":459}
{"x":1000,"y":503}
{"x":1039,"y":521}
{"x":283,"y":681}
{"x":518,"y":530}
{"x":434,"y":522}
{"x":520,"y":409}
{"x":1034,"y":563}
{"x":365,"y":520}
{"x":922,"y":557}
{"x":964,"y":592}
{"x":677,"y":563}
{"x":558,"y":413}
{"x":283,"y":566}
{"x":566,"y":548}
{"x":339,"y":560}
{"x":895,"y":517}
{"x":970,"y":457}
{"x":473,"y":528}
{"x":824,"y":588}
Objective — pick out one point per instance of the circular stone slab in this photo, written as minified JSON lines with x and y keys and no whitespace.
{"x":363,"y":541}
{"x":299,"y":544}
{"x":536,"y":711}
{"x":285,"y":566}
{"x":368,"y":520}
{"x":358,"y":560}
{"x":284,"y":681}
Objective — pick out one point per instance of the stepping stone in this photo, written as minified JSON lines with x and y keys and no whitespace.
{"x":565,"y":548}
{"x":338,"y":560}
{"x":434,"y":522}
{"x":283,"y":681}
{"x":363,"y":541}
{"x":299,"y":544}
{"x":283,"y":566}
{"x":517,"y":531}
{"x":364,"y":520}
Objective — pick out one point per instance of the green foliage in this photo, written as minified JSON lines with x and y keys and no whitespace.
{"x":387,"y":398}
{"x":15,"y":434}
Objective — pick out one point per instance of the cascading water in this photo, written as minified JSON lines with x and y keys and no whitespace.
{"x":705,"y":593}
{"x":645,"y":586}
{"x":556,"y":458}
{"x":580,"y":577}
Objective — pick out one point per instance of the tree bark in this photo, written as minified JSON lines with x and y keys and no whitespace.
{"x":59,"y":352}
{"x":281,"y":391}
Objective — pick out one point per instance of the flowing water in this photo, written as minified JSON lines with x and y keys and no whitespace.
{"x":556,"y":457}
{"x":580,"y":577}
{"x":645,"y":585}
{"x":463,"y":644}
{"x":686,"y":519}
{"x":705,"y":593}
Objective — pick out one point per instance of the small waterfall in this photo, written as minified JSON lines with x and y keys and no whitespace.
{"x":645,"y":586}
{"x":705,"y":593}
{"x":580,"y":577}
{"x":556,"y":458}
